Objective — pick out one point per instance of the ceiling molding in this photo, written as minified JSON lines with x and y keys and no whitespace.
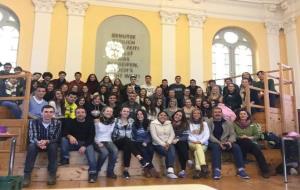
{"x":251,"y":10}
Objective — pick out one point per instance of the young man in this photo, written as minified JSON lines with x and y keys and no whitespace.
{"x":271,"y":87}
{"x":148,"y":86}
{"x":193,"y":87}
{"x":47,"y":76}
{"x":78,"y":135}
{"x":228,"y":81}
{"x":6,"y":69}
{"x":70,"y":105}
{"x":222,"y":138}
{"x":165,"y":86}
{"x":178,"y":88}
{"x":36,"y":102}
{"x":132,"y":104}
{"x":77,"y":82}
{"x":44,"y":135}
{"x":61,"y":80}
{"x":36,"y":76}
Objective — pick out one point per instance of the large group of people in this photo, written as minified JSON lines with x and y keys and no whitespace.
{"x":99,"y":118}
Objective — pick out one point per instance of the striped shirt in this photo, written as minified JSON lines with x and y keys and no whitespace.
{"x":39,"y":131}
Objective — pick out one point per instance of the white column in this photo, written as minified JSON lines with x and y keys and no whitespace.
{"x":196,"y":47}
{"x":168,"y":21}
{"x":273,"y":44}
{"x":76,"y":13}
{"x":41,"y":34}
{"x":293,"y":55}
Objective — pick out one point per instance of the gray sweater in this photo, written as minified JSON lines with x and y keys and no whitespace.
{"x":228,"y":132}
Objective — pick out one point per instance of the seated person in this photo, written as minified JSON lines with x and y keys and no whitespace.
{"x":70,"y":105}
{"x":222,"y":138}
{"x":10,"y":89}
{"x":36,"y":102}
{"x":44,"y":134}
{"x":78,"y":135}
{"x":248,"y":133}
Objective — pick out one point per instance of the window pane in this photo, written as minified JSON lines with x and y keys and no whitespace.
{"x":220,"y":60}
{"x":243,"y":60}
{"x":9,"y":37}
{"x":231,"y":37}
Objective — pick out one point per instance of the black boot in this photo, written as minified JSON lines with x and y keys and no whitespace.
{"x":27,"y":179}
{"x":51,"y":178}
{"x":204,"y":171}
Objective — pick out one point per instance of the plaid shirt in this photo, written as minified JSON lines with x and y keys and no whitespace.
{"x":38,"y":132}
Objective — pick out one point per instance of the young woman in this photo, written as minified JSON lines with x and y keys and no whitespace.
{"x":103,"y":93}
{"x":198,"y":141}
{"x":159,"y":105}
{"x":142,"y":96}
{"x":198,"y":103}
{"x":215,"y":95}
{"x":81,"y":102}
{"x":58,"y":103}
{"x":247,"y":133}
{"x":188,"y":108}
{"x":142,"y":140}
{"x":122,"y":137}
{"x":162,"y":138}
{"x":103,"y":143}
{"x":254,"y":99}
{"x":172,"y":107}
{"x":232,"y":99}
{"x":181,"y":129}
{"x":206,"y":110}
{"x":199,"y":93}
{"x":150,"y":109}
{"x":75,"y":88}
{"x":107,"y":82}
{"x":187,"y":95}
{"x":86,"y":93}
{"x":49,"y":92}
{"x":92,"y":83}
{"x":64,"y":89}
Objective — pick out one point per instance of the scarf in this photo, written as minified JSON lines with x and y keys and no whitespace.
{"x":243,"y":124}
{"x":107,"y":121}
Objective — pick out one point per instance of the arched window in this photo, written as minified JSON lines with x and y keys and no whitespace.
{"x":232,"y":54}
{"x":9,"y":36}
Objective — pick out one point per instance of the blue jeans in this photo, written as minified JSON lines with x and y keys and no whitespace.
{"x":14,"y":108}
{"x":147,"y":152}
{"x":169,"y":154}
{"x":109,"y":150}
{"x":89,"y":153}
{"x":32,"y":152}
{"x":216,"y":152}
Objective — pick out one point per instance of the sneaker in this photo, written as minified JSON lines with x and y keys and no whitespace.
{"x":242,"y":174}
{"x":111,"y":175}
{"x":172,"y":176}
{"x":182,"y":174}
{"x":145,"y":164}
{"x":51,"y":179}
{"x":27,"y":180}
{"x":126,"y":175}
{"x":92,"y":178}
{"x":64,"y":162}
{"x":266,"y":175}
{"x":217,"y":174}
{"x":190,"y":164}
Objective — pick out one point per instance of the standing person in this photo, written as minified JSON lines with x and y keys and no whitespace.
{"x":181,"y":130}
{"x":122,"y":137}
{"x":193,"y":87}
{"x":232,"y":97}
{"x":142,"y":140}
{"x":198,"y":141}
{"x":92,"y":83}
{"x":165,"y":87}
{"x":178,"y":87}
{"x":60,"y":80}
{"x":132,"y":83}
{"x":162,"y":137}
{"x":222,"y":138}
{"x":103,"y":143}
{"x":254,"y":99}
{"x":78,"y":135}
{"x":44,"y":134}
{"x":148,"y":86}
{"x":248,"y":133}
{"x":77,"y":81}
{"x":271,"y":87}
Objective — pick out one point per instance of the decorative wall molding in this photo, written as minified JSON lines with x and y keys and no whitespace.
{"x":196,"y":21}
{"x":168,"y":18}
{"x":44,"y":6}
{"x":272,"y":27}
{"x":289,"y":24}
{"x":77,"y":7}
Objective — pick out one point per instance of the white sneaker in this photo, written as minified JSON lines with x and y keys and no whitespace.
{"x":172,"y":176}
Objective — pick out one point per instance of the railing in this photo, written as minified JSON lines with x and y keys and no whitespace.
{"x":21,"y":123}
